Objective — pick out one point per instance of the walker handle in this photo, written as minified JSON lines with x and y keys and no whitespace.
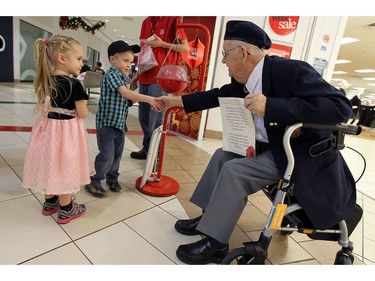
{"x":339,"y":128}
{"x":339,"y":131}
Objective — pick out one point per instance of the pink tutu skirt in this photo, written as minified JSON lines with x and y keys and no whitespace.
{"x":57,"y":159}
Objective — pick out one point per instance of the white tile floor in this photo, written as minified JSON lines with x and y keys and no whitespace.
{"x":131,"y":228}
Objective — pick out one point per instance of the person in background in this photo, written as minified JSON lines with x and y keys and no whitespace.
{"x":85,"y":66}
{"x":98,"y":67}
{"x":278,"y":92}
{"x":163,"y":31}
{"x":111,"y":117}
{"x":57,"y":161}
{"x":356,"y":105}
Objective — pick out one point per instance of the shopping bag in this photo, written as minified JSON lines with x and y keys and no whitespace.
{"x":146,"y":57}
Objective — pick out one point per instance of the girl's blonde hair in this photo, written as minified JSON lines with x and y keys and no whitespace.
{"x":45,"y":54}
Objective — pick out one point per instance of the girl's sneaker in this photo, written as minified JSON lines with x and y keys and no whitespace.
{"x":50,"y":208}
{"x":76,"y":211}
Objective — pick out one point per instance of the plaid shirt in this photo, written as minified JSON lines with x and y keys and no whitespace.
{"x":113,"y":107}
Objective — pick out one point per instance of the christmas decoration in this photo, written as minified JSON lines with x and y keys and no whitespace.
{"x":76,"y":22}
{"x":195,"y":55}
{"x":172,"y":78}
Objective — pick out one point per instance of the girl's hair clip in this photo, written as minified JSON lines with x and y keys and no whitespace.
{"x":46,"y":42}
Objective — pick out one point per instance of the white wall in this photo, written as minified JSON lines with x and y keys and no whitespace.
{"x":333,"y":29}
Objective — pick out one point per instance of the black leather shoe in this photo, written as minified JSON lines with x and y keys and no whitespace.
{"x":187,"y":227}
{"x":201,"y":252}
{"x":114,"y":186}
{"x":139,"y":155}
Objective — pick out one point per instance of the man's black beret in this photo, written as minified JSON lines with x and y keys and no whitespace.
{"x":247,"y":32}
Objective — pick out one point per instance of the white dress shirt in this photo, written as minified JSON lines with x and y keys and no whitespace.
{"x":254,"y":85}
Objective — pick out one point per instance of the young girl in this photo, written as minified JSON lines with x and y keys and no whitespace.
{"x":57,"y":162}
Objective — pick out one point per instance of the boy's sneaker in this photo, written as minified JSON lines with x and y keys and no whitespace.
{"x":76,"y":211}
{"x":114,"y":186}
{"x":49,"y":208}
{"x":97,"y":191}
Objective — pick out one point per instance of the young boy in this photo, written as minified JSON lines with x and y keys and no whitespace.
{"x":114,"y":103}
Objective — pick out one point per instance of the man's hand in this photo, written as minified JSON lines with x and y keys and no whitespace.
{"x":256,"y":103}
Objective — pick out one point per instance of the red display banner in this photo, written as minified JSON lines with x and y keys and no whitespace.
{"x":280,"y":50}
{"x":283,"y":25}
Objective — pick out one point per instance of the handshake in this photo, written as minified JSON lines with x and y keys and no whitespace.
{"x":164,"y":102}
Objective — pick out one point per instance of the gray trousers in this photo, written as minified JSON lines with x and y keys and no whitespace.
{"x":223,"y":189}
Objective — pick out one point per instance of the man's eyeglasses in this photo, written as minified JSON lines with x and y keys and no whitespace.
{"x":225,"y":53}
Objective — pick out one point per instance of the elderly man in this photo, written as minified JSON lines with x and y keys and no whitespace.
{"x":278,"y":92}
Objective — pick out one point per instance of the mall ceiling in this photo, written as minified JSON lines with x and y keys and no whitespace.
{"x":360,"y":53}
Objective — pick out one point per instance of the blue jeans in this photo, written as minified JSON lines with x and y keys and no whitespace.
{"x":111,"y":142}
{"x":148,"y":118}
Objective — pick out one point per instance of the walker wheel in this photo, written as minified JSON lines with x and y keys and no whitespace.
{"x":239,"y":257}
{"x":344,"y":258}
{"x":236,"y":256}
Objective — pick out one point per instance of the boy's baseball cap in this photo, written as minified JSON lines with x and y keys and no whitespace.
{"x":121,"y":46}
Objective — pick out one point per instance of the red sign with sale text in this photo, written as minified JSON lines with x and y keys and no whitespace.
{"x":283,"y":25}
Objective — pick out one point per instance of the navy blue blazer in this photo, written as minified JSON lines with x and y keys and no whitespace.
{"x":324,"y":185}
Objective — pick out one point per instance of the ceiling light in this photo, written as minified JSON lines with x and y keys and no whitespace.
{"x":342,"y":61}
{"x":371,"y":84}
{"x":365,"y":70}
{"x":348,"y":40}
{"x":339,"y":72}
{"x":369,"y":78}
{"x":358,"y":90}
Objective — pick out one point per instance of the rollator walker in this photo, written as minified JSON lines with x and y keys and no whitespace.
{"x":287,"y":216}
